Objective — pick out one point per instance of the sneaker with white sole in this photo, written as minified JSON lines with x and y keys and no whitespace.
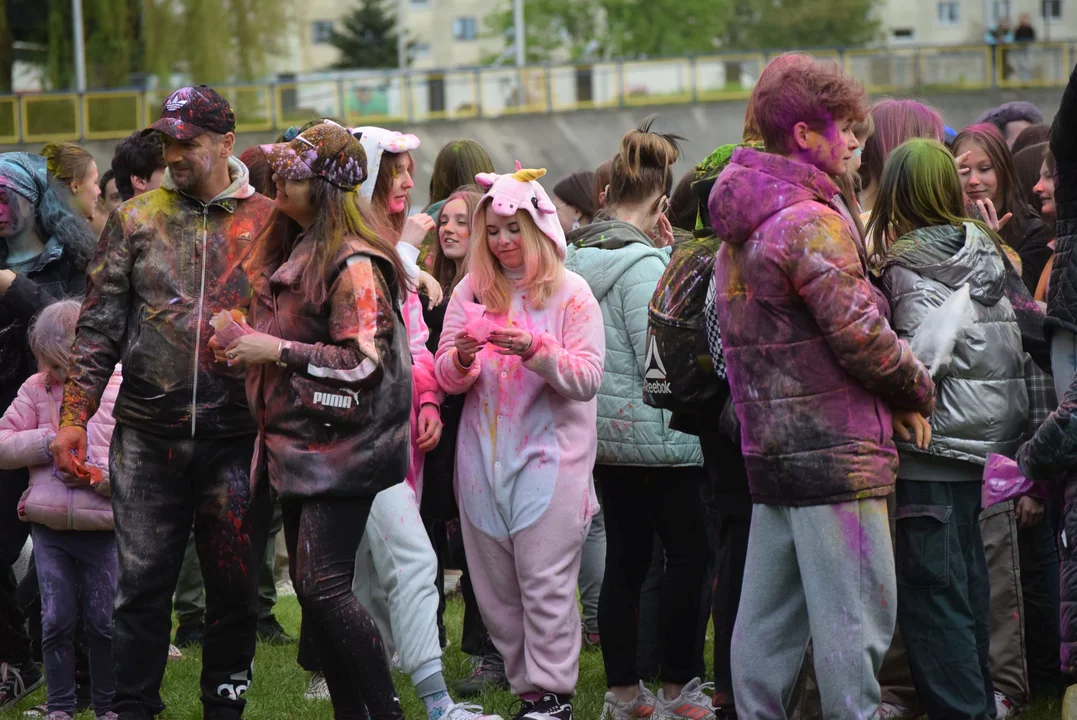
{"x":694,"y":703}
{"x":550,"y":706}
{"x":1006,"y":706}
{"x":468,"y":711}
{"x":893,"y":711}
{"x":318,"y":688}
{"x":641,"y":707}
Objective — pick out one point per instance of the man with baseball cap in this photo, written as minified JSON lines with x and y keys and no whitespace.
{"x":167,"y":261}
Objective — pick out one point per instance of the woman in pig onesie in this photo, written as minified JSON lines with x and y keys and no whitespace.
{"x":523,"y":338}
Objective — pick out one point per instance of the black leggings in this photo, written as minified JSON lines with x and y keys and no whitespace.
{"x":323,"y":535}
{"x":638,"y":502}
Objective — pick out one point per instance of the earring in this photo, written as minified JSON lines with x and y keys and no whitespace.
{"x":576,"y":223}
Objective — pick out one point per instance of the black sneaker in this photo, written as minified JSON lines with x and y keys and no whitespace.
{"x":271,"y":632}
{"x":190,"y":635}
{"x":487,"y":673}
{"x":550,"y":706}
{"x":18,"y":681}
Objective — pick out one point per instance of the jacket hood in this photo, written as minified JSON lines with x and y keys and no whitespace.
{"x":954,"y":256}
{"x":756,"y":185}
{"x":604,"y":251}
{"x":240,"y":189}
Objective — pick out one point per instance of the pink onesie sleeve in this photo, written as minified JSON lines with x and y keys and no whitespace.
{"x":451,"y":377}
{"x":427,"y":389}
{"x":573,"y":366}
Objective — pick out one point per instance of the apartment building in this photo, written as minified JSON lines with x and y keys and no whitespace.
{"x":959,"y":22}
{"x":445,"y":33}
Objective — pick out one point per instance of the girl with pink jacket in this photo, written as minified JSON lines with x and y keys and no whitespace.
{"x":71,"y":516}
{"x":523,"y":339}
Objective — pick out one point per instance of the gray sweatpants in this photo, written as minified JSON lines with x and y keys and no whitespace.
{"x":824,"y":572}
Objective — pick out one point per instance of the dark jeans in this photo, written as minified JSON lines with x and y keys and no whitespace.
{"x":943,"y":597}
{"x":159,"y":486}
{"x":1040,"y":590}
{"x":74,"y":566}
{"x":640,"y":501}
{"x":14,"y":642}
{"x":323,"y":536}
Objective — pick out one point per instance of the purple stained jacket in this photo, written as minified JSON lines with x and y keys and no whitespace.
{"x":814,"y":367}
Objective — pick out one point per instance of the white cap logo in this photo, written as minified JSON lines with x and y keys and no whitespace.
{"x":175,"y":102}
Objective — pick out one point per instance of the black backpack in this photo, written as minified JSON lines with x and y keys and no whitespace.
{"x":680,"y":373}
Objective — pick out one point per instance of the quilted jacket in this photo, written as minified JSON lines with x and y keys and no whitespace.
{"x":982,"y":404}
{"x":813,"y":365}
{"x":622,"y":267}
{"x":25,"y":431}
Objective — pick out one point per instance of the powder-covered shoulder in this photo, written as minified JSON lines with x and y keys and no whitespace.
{"x":574,"y":284}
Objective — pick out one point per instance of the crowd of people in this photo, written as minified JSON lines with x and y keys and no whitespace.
{"x":818,"y":391}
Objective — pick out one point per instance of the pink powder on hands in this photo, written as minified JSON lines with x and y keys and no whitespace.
{"x":479,"y":325}
{"x":227,"y":329}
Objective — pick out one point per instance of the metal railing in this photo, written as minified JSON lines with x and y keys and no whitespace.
{"x":387,"y":97}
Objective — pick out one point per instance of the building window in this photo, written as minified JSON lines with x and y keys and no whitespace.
{"x":1052,"y":10}
{"x":323,"y":32}
{"x":420,"y":50}
{"x":465,"y":28}
{"x":1001,"y":10}
{"x":903,"y":34}
{"x":948,"y":13}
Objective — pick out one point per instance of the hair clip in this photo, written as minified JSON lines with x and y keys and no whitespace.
{"x":291,"y":133}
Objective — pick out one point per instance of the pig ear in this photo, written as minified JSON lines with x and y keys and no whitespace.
{"x":544,"y":206}
{"x":486,"y":179}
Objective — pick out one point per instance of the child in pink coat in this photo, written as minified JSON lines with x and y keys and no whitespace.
{"x":523,"y":338}
{"x":74,"y":547}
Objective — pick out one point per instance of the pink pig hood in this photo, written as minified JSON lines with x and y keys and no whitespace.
{"x":376,"y":142}
{"x":508,"y":194}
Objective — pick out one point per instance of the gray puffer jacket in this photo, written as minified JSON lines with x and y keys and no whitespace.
{"x":981,"y":399}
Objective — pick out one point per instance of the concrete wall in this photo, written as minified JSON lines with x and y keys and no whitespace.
{"x":566,"y":142}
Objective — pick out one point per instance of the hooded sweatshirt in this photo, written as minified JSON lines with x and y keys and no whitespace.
{"x":166,"y":263}
{"x":622,"y":267}
{"x":982,"y":401}
{"x":813,"y":365}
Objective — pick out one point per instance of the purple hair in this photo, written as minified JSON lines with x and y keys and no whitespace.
{"x":895,"y":122}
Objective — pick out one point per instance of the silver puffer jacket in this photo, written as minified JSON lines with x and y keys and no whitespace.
{"x":981,"y":399}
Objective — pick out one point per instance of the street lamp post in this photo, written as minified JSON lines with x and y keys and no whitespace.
{"x":518,"y":30}
{"x":80,"y":47}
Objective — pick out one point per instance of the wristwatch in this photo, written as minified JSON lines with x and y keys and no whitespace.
{"x":282,"y":354}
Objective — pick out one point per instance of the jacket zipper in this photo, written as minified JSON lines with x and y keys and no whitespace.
{"x":198,"y":327}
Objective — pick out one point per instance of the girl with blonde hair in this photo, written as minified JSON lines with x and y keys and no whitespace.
{"x":523,"y":340}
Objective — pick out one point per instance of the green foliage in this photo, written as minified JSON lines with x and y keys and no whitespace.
{"x":792,"y":24}
{"x":369,"y":37}
{"x":552,"y":26}
{"x":212,"y":41}
{"x":652,"y":28}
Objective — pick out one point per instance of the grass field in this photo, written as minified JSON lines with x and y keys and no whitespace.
{"x":279,"y":684}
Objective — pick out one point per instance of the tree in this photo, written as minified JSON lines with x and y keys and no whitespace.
{"x":791,"y":24}
{"x":369,"y":37}
{"x":552,"y":26}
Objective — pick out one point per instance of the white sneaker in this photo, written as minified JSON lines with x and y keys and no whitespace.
{"x":318,"y":688}
{"x":694,"y":703}
{"x":1006,"y":706}
{"x":467,"y":711}
{"x":891,"y":711}
{"x":640,"y":708}
{"x":174,"y":653}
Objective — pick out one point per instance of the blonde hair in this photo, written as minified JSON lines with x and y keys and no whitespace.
{"x":543,"y":269}
{"x":53,"y":333}
{"x":442,"y":268}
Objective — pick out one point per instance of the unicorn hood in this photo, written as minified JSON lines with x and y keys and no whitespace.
{"x":507,"y":194}
{"x":376,"y":142}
